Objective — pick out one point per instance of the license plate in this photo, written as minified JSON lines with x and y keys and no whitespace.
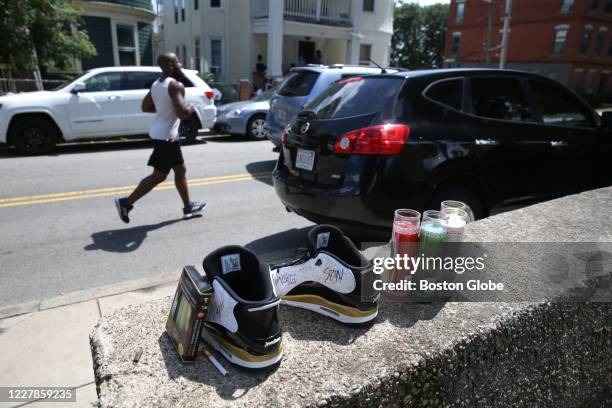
{"x":281,"y":114}
{"x":305,"y":159}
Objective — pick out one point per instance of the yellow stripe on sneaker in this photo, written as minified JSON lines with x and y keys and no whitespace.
{"x":241,"y":353}
{"x":340,"y":309}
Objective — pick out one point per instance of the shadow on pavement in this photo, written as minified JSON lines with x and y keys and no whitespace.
{"x":280,"y":247}
{"x":265,"y":166}
{"x":124,"y":240}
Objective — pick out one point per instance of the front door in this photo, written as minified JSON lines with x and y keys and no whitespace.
{"x":98,"y":111}
{"x":306,"y":52}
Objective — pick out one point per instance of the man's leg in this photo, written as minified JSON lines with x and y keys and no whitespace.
{"x":146,"y":184}
{"x":180,"y":181}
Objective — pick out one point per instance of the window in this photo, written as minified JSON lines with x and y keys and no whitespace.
{"x":108,"y":81}
{"x":216,"y":57}
{"x":126,"y":45}
{"x":139,"y":80}
{"x":368,"y":5}
{"x":567,"y":5}
{"x":176,"y":13}
{"x":178,"y":52}
{"x":560,"y":37}
{"x":353,"y":97}
{"x":455,"y":43}
{"x":591,"y":80}
{"x":499,"y":98}
{"x":610,"y":48}
{"x":459,"y":13}
{"x":603,"y":82}
{"x":577,"y":81}
{"x":184,"y":60}
{"x":196,"y":4}
{"x":182,"y":10}
{"x":558,"y":106}
{"x":298,"y":83}
{"x":447,"y":92}
{"x":215,"y":3}
{"x":608,"y":6}
{"x":197,"y":56}
{"x":599,"y":41}
{"x":586,"y":39}
{"x":365,"y":54}
{"x":594,"y":5}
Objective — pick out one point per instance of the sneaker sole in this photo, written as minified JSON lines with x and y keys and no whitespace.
{"x":119,"y":210}
{"x":238,"y":356}
{"x":190,"y":215}
{"x":341,"y":313}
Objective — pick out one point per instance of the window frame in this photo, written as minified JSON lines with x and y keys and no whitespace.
{"x":456,"y":34}
{"x":588,"y":27}
{"x":569,"y":6}
{"x":538,"y":109}
{"x":197,"y":54}
{"x":210,"y":7}
{"x":558,"y":28}
{"x":457,"y":19}
{"x":463,"y":80}
{"x":115,"y":41}
{"x":596,"y":3}
{"x":363,"y":9}
{"x":210,"y":65}
{"x":365,"y":62}
{"x":602,"y":33}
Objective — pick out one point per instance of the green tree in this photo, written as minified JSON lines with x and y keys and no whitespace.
{"x":418,"y":36}
{"x":43,"y":32}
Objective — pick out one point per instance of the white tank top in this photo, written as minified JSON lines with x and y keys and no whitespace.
{"x":166,"y":124}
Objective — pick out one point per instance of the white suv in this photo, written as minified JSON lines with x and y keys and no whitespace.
{"x":102,"y":103}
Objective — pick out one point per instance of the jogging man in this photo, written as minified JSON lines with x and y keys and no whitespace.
{"x":167,"y":100}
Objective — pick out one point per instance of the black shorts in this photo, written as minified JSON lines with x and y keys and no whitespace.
{"x":165,"y":156}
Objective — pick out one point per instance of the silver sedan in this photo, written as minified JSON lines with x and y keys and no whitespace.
{"x":246,"y":118}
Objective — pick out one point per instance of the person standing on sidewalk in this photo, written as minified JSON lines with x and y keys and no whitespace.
{"x":167,"y":100}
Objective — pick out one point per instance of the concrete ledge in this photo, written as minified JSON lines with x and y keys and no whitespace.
{"x":415,"y":355}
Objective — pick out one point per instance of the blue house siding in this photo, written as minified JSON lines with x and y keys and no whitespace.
{"x":145,"y":43}
{"x":99,"y":30}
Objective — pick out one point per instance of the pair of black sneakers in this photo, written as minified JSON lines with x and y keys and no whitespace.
{"x":332,"y":278}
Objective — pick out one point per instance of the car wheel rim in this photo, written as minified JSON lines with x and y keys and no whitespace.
{"x":258,"y":128}
{"x":33,"y":137}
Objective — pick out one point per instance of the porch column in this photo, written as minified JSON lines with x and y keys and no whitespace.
{"x":276,"y":10}
{"x":352,"y":50}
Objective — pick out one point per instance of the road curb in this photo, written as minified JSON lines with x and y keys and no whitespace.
{"x":80,"y":296}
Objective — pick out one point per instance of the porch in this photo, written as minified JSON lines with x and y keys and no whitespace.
{"x":326,"y":12}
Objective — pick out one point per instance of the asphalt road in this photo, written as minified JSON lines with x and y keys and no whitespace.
{"x":60,"y":231}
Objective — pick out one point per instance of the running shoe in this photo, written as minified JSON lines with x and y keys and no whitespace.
{"x":193,"y":209}
{"x":333,"y":278}
{"x":242,"y":320}
{"x":123,"y":209}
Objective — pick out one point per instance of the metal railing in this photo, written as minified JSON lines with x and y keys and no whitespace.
{"x":328,"y":12}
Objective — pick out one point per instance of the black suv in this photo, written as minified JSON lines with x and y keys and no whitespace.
{"x":491,"y":138}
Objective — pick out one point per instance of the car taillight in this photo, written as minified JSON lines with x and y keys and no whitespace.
{"x":285,"y":135}
{"x":379,"y":139}
{"x":209,"y":94}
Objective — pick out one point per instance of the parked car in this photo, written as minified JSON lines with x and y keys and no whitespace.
{"x":247,"y":118}
{"x":367,"y":146}
{"x":301,"y":86}
{"x":102,"y":103}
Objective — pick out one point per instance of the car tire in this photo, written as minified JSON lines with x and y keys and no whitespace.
{"x":255,"y":128}
{"x":458,"y":193}
{"x":33,"y":135}
{"x":188,"y":130}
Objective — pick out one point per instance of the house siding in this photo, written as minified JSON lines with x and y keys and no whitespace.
{"x":143,"y":4}
{"x":145,"y":43}
{"x":99,"y":30}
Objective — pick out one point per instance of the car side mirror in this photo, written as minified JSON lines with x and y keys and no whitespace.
{"x":78,"y":87}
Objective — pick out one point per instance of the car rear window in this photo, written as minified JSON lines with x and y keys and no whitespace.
{"x":355,"y":96}
{"x":298,"y":83}
{"x":448,"y":92}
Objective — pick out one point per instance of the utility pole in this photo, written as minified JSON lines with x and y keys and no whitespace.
{"x":505,"y":34}
{"x":489,"y":30}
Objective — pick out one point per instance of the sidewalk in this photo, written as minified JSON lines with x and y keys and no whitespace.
{"x":50,"y":347}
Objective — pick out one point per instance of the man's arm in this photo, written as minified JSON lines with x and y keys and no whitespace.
{"x":176,"y":90}
{"x":147,"y":104}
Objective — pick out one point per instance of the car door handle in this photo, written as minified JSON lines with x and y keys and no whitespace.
{"x":114,"y":97}
{"x":558,"y":143}
{"x":486,"y":142}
